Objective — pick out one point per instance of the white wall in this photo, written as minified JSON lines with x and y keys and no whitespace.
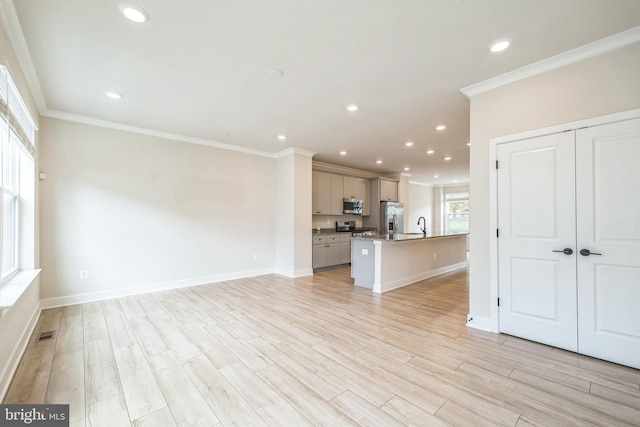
{"x":421,"y":197}
{"x":142,"y":212}
{"x":602,"y":85}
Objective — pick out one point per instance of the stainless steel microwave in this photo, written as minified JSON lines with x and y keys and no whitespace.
{"x":352,"y":206}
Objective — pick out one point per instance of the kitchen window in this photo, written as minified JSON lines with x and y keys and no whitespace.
{"x":457,"y":213}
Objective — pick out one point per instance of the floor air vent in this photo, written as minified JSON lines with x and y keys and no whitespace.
{"x":45,"y":336}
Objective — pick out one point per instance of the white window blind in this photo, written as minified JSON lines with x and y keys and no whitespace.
{"x":16,"y":113}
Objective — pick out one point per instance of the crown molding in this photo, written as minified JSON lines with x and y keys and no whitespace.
{"x":92,"y":121}
{"x":423,"y":184}
{"x":599,"y":47}
{"x":13,"y":29}
{"x":342,"y":170}
{"x":294,"y":150}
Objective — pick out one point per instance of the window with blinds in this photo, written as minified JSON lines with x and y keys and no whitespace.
{"x":17,"y":151}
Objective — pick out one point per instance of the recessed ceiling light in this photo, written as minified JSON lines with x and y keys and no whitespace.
{"x":436,"y":176}
{"x":133,"y":12}
{"x":343,"y":153}
{"x":499,"y":46}
{"x":113,"y":95}
{"x":441,"y":127}
{"x":430,"y":152}
{"x":407,"y":168}
{"x":447,"y":158}
{"x":379,"y":162}
{"x":282,"y":137}
{"x":409,"y":144}
{"x":352,"y":107}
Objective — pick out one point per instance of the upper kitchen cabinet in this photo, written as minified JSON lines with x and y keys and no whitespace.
{"x":337,"y":194}
{"x":330,"y":189}
{"x":353,"y":187}
{"x":321,"y":193}
{"x":366,"y":197}
{"x":327,"y":193}
{"x":384,"y":190}
{"x":388,"y":191}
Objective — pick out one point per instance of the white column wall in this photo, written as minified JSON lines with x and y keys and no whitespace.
{"x":293,"y":214}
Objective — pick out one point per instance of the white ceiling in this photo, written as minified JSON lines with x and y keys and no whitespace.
{"x":200,"y":68}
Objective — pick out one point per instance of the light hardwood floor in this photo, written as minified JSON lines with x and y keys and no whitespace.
{"x":310,"y":351}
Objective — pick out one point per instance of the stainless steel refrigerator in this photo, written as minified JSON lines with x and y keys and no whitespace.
{"x":391,"y":217}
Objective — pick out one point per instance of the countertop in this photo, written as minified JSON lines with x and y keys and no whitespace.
{"x":322,"y":231}
{"x":404,"y":237}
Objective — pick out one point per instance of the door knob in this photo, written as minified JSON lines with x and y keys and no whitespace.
{"x":566,"y":251}
{"x":587,"y":252}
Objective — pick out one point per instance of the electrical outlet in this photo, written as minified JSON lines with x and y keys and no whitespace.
{"x":328,"y":222}
{"x":84,"y":274}
{"x":434,"y":257}
{"x":365,"y":252}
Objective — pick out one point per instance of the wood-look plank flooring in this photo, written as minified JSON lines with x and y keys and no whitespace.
{"x":272,"y":351}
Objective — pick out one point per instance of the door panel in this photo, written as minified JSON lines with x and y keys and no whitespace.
{"x":536,"y":215}
{"x":608,"y":222}
{"x":532,"y":188}
{"x":535,"y":287}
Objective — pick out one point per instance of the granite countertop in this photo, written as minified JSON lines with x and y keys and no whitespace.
{"x":403,"y":237}
{"x":322,"y":231}
{"x":315,"y":231}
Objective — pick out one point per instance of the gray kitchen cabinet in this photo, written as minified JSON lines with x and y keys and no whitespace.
{"x":321,"y":193}
{"x":318,"y":256}
{"x":353,"y":187}
{"x":328,"y":250}
{"x":325,"y":255}
{"x":337,"y":194}
{"x":366,"y":197}
{"x":345,"y":249}
{"x":388,"y":191}
{"x":329,"y":190}
{"x":327,"y":193}
{"x":333,"y":254}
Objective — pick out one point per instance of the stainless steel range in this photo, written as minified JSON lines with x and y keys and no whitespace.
{"x":350,"y":227}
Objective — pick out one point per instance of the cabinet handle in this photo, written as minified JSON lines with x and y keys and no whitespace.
{"x":566,"y":251}
{"x":587,"y":252}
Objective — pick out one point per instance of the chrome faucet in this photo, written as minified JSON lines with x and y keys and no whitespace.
{"x":424,"y":223}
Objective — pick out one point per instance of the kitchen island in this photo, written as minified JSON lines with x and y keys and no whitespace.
{"x":389,"y":261}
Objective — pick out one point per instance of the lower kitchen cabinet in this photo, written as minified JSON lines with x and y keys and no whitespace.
{"x":330,"y":250}
{"x":345,"y":249}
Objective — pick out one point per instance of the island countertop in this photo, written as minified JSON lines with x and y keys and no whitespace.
{"x":403,"y":237}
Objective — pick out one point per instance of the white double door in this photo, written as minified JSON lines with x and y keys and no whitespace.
{"x":569,"y":240}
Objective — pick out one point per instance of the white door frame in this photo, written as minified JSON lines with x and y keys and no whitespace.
{"x":493,"y":324}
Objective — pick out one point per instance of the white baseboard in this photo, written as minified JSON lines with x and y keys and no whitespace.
{"x":422,"y":276}
{"x":153,"y":287}
{"x":295,"y":273}
{"x":480,"y":322}
{"x":19,"y":348}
